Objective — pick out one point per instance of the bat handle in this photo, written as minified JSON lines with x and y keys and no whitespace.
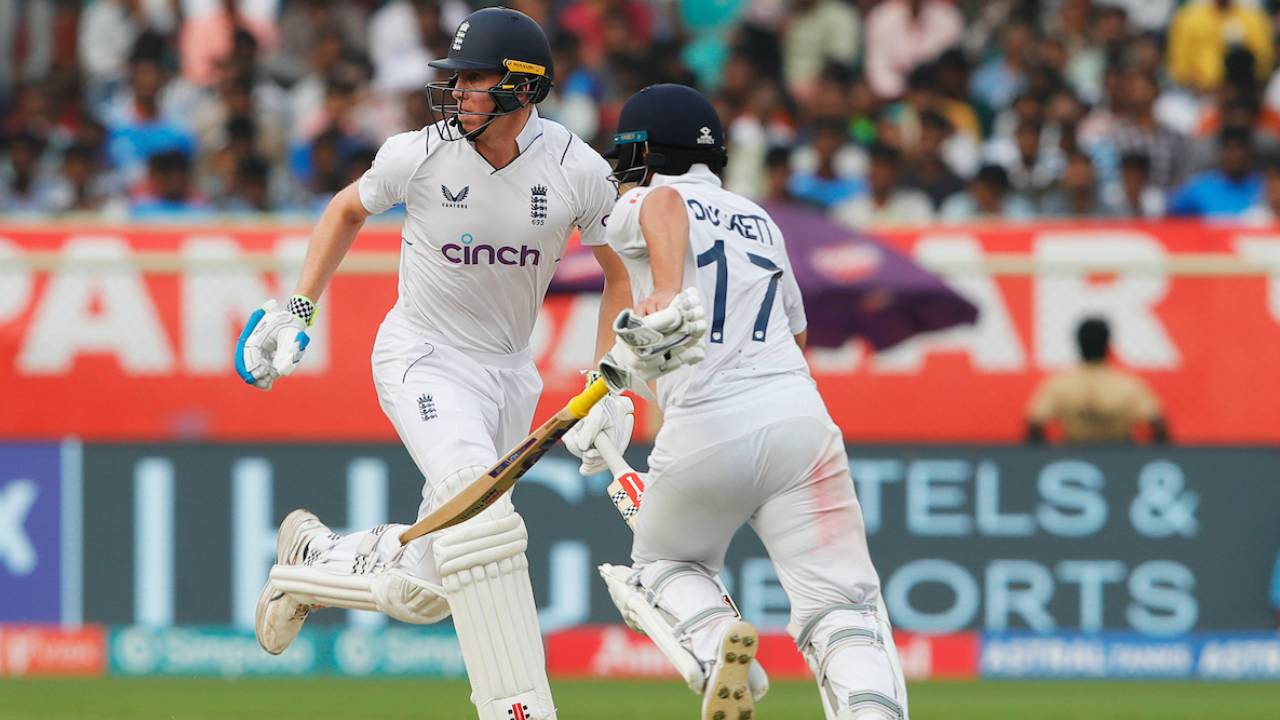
{"x":617,"y":464}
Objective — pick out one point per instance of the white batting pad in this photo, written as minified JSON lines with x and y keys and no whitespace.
{"x":851,"y":652}
{"x":643,"y":610}
{"x":313,"y":586}
{"x":486,"y":579}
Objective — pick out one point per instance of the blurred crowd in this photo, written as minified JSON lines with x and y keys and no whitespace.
{"x":879,"y":112}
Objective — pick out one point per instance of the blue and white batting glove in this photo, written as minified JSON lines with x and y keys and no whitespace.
{"x":613,"y":417}
{"x":272,"y":342}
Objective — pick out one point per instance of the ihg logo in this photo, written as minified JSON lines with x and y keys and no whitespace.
{"x":467,"y":252}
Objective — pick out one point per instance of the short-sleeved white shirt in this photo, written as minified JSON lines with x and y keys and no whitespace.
{"x":479,"y":245}
{"x":738,"y":261}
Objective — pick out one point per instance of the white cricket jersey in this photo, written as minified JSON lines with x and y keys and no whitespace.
{"x":479,"y":245}
{"x":738,"y":260}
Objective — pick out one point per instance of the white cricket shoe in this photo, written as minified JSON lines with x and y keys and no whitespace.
{"x":728,"y":695}
{"x":279,"y":617}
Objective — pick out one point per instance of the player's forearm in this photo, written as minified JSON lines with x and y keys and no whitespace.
{"x":331,"y":238}
{"x":615,"y":299}
{"x":665,"y":225}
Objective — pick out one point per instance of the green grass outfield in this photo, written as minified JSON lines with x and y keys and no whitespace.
{"x":348,"y":699}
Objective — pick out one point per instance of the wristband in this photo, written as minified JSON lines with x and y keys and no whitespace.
{"x":301,"y":307}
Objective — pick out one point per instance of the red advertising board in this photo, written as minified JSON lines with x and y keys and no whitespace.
{"x":27,"y":650}
{"x":131,"y":354}
{"x":616,"y":651}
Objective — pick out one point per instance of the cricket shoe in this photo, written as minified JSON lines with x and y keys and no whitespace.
{"x":728,"y":695}
{"x":279,"y":617}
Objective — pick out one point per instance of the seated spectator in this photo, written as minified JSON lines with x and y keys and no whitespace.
{"x":777,"y":177}
{"x":988,"y":198}
{"x":170,"y":193}
{"x":1226,"y":192}
{"x":902,"y":34}
{"x":1094,"y":401}
{"x":818,"y":31}
{"x":24,"y":188}
{"x":1139,"y":130}
{"x":927,"y":170}
{"x":1266,"y":210}
{"x":251,"y":191}
{"x":207,"y":37}
{"x":1203,"y":31}
{"x":1134,"y":196}
{"x":83,"y":187}
{"x":141,"y":121}
{"x":828,"y":169}
{"x":1076,"y":195}
{"x":885,"y":201}
{"x":999,"y":80}
{"x":1032,"y":168}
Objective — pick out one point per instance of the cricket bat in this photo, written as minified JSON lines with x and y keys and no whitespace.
{"x":627,"y":489}
{"x":474,"y":498}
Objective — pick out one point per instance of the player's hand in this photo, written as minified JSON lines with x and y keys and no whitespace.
{"x":656,"y":301}
{"x":659,"y":343}
{"x":681,"y":321}
{"x":613,"y":417}
{"x":272,"y":342}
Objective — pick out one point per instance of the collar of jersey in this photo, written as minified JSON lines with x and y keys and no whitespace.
{"x":698,"y":173}
{"x":531,"y":131}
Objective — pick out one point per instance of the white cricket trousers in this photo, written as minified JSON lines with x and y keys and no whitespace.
{"x":451,"y":408}
{"x":772,"y":459}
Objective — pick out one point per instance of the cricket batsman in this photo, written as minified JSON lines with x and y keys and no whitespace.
{"x":746,"y":437}
{"x":491,"y":193}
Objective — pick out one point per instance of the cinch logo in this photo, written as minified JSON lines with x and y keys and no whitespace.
{"x":468,"y":253}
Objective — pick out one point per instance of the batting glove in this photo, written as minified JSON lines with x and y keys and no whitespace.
{"x":272,"y":342}
{"x":650,"y":347}
{"x":613,"y":417}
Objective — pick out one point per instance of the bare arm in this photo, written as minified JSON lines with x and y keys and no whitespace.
{"x":616,"y":297}
{"x":331,"y":238}
{"x":802,"y":338}
{"x":665,"y":226}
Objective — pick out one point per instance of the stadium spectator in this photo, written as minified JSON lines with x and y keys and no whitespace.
{"x":207,"y":36}
{"x":828,"y":169}
{"x":1266,"y":209}
{"x":1094,"y":401}
{"x":1133,"y":196}
{"x":107,"y":31}
{"x":1032,"y":168}
{"x":1203,"y":31}
{"x":1076,"y":194}
{"x":988,"y":197}
{"x":586,"y":19}
{"x":251,"y":190}
{"x":885,"y":201}
{"x":302,"y":22}
{"x":902,"y":34}
{"x":1002,"y":78}
{"x":82,"y":187}
{"x":1227,"y":191}
{"x":24,"y":186}
{"x":927,"y":171}
{"x":777,"y":177}
{"x":169,"y":193}
{"x":1138,"y":130}
{"x":818,"y":32}
{"x":148,"y":116}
